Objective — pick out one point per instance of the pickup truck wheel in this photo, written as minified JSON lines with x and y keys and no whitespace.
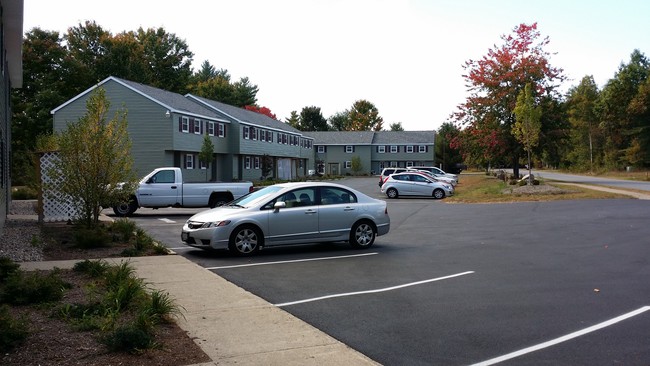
{"x":125,"y":209}
{"x":245,"y":240}
{"x":219,"y":200}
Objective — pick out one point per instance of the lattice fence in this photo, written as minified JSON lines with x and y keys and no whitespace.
{"x":56,"y":206}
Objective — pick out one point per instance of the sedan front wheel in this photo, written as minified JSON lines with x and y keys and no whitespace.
{"x":245,"y":240}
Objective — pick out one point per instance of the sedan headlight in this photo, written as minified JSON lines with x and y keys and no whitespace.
{"x":215,"y":224}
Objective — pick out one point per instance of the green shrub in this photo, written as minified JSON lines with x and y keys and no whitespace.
{"x":128,"y":338}
{"x":122,"y":229}
{"x":7,"y":267}
{"x":97,"y":237}
{"x":23,"y":193}
{"x":92,"y":268}
{"x":33,"y":288}
{"x":14,"y":331}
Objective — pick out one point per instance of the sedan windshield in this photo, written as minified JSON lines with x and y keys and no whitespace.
{"x":254,"y":197}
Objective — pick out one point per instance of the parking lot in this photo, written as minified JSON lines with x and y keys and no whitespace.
{"x":562,"y":282}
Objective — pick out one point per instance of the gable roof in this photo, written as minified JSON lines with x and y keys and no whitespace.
{"x":404,"y":137}
{"x":174,"y":102}
{"x":341,"y":137}
{"x":373,"y":137}
{"x":244,"y":116}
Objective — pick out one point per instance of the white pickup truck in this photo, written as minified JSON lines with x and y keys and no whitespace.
{"x":164,"y":187}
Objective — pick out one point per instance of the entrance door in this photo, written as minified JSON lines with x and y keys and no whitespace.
{"x":334,"y":168}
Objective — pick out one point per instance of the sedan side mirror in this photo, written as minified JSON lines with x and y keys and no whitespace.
{"x":278,"y":205}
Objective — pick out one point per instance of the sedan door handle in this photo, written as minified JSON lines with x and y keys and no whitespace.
{"x":348,"y":209}
{"x":309,"y":212}
{"x":173,"y":187}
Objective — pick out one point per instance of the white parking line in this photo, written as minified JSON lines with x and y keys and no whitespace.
{"x":167,"y":221}
{"x":373,"y":291}
{"x":291,"y":261}
{"x":564,"y":338}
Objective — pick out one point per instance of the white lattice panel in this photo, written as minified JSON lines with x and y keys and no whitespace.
{"x":57,"y":206}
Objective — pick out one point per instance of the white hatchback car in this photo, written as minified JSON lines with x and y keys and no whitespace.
{"x":415,"y":184}
{"x":437,"y":172}
{"x":290,"y":213}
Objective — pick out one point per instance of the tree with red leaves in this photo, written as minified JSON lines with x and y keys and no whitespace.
{"x":261,"y":110}
{"x":493,"y":83}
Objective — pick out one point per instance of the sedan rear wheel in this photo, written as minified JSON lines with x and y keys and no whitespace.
{"x":392,"y":193}
{"x":245,"y":240}
{"x":363,"y":235}
{"x":438,"y":193}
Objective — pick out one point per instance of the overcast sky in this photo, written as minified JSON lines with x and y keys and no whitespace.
{"x":404,"y":56}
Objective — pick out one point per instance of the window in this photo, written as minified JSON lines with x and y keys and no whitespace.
{"x":247,"y":162}
{"x":382,"y":165}
{"x":197,"y":126}
{"x":262,"y":135}
{"x":185,"y":124}
{"x":257,"y":162}
{"x":189,"y":161}
{"x":393,"y":149}
{"x":393,"y":164}
{"x":334,"y":195}
{"x":222,"y":130}
{"x":163,"y":176}
{"x":349,"y":149}
{"x":381,"y":149}
{"x":246,"y":132}
{"x":211,"y":128}
{"x":203,"y":164}
{"x":409,"y":148}
{"x":321,"y":149}
{"x":348,"y":164}
{"x":269,"y":136}
{"x":409,"y":163}
{"x":284,"y":138}
{"x":422,"y":148}
{"x":254,"y":133}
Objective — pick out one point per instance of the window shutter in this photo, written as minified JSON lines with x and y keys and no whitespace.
{"x":398,"y":148}
{"x":426,"y":148}
{"x":353,"y":148}
{"x":180,"y":124}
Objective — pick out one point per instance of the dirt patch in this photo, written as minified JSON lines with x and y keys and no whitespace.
{"x":53,"y":341}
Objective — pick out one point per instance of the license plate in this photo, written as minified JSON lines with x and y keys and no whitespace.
{"x":185,"y":236}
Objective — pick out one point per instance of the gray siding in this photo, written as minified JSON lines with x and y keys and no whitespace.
{"x":149,"y":129}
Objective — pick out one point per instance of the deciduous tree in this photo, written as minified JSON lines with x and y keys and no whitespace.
{"x":95,"y":155}
{"x":527,"y":125}
{"x":494,"y":82}
{"x":364,"y":116}
{"x":206,"y":154}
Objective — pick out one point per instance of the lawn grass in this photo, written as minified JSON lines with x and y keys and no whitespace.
{"x":481,"y":188}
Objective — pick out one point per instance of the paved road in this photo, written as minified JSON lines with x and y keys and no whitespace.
{"x":459,"y":284}
{"x":584,"y":179}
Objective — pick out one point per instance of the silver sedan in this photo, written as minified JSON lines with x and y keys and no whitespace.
{"x":415,"y":184}
{"x":290,"y":213}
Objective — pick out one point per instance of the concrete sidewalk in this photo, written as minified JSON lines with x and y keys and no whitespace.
{"x":231,"y":325}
